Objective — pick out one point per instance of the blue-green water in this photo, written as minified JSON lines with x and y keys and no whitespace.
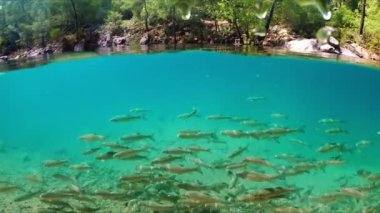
{"x":44,"y":110}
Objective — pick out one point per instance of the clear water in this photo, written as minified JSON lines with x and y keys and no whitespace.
{"x":44,"y":110}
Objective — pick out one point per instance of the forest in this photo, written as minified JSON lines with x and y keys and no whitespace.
{"x":36,"y":23}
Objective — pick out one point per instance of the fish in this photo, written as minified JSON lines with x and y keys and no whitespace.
{"x":200,"y":197}
{"x":289,"y":210}
{"x":159,"y":206}
{"x":180,"y":169}
{"x":353,"y":193}
{"x":256,"y":98}
{"x":133,"y":157}
{"x":91,"y":151}
{"x":91,"y":137}
{"x":363,"y":143}
{"x":136,"y":178}
{"x":166,"y":159}
{"x":81,"y":167}
{"x":273,"y":133}
{"x":86,"y":208}
{"x":9,"y":188}
{"x":138,"y":110}
{"x":195,"y":134}
{"x":198,"y":149}
{"x":126,"y":118}
{"x":120,"y":196}
{"x":64,"y":178}
{"x":219,"y":117}
{"x":106,"y":156}
{"x":233,"y":166}
{"x":336,"y":131}
{"x":200,"y":163}
{"x":35,"y":178}
{"x":257,"y":176}
{"x":143,"y":168}
{"x":238,"y":152}
{"x":177,"y":151}
{"x":57,"y":195}
{"x":373,"y":177}
{"x":328,"y":198}
{"x":333,"y":147}
{"x":54,"y":163}
{"x":258,"y":161}
{"x":298,"y":141}
{"x":193,"y":113}
{"x":333,"y":162}
{"x":278,"y":116}
{"x":265,"y":194}
{"x":115,"y":146}
{"x":329,"y":121}
{"x":234,"y":133}
{"x":136,"y":137}
{"x":128,"y":153}
{"x":239,"y":119}
{"x":59,"y":203}
{"x":253,"y":123}
{"x":27,"y":196}
{"x":290,"y":158}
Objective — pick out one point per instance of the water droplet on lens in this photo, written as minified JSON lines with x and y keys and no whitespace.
{"x":261,"y":15}
{"x":187,"y":16}
{"x":326,"y":16}
{"x":261,"y":8}
{"x":324,"y":34}
{"x":321,"y":5}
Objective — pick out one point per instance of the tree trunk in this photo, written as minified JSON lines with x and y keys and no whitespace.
{"x":234,"y":21}
{"x":216,"y":25}
{"x":362,"y":20}
{"x":269,"y":16}
{"x":174,"y":26}
{"x":146,"y":17}
{"x":75,"y":16}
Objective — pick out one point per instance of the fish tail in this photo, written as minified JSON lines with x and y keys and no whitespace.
{"x":199,"y":170}
{"x":151,"y":137}
{"x":302,"y":129}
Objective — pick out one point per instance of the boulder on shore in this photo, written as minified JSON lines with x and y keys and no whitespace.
{"x":303,"y":46}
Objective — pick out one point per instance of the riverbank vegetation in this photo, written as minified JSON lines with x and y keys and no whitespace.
{"x":37,"y":23}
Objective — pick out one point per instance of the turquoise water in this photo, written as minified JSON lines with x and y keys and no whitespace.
{"x":44,"y":110}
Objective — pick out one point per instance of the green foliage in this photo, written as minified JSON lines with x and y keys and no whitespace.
{"x":344,"y":18}
{"x":26,"y":23}
{"x":55,"y":33}
{"x":114,"y":21}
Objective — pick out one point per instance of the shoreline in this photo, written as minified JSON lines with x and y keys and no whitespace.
{"x":21,"y":63}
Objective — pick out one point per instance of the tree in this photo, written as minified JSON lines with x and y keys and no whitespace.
{"x":362,"y":19}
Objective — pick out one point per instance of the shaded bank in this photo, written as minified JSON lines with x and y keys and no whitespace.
{"x":144,"y":49}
